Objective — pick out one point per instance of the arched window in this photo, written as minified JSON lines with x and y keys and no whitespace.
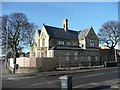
{"x":67,"y":56}
{"x":38,"y":43}
{"x":43,"y":42}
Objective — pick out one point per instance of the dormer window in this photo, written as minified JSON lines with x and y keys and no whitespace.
{"x":92,"y":43}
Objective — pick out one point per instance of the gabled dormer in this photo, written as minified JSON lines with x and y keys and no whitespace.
{"x":88,"y":39}
{"x":37,"y":38}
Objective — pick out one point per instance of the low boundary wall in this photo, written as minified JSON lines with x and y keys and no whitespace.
{"x":26,"y":65}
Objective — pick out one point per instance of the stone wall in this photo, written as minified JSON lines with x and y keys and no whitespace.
{"x":75,"y":58}
{"x":62,"y":59}
{"x":46,"y":64}
{"x":27,"y":65}
{"x":107,"y":55}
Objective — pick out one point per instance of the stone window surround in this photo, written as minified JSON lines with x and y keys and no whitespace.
{"x":92,"y":43}
{"x":67,"y":56}
{"x":61,"y":42}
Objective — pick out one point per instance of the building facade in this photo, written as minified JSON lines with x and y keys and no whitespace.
{"x":66,"y":45}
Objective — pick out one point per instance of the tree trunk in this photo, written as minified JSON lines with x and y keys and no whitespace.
{"x":14,"y":60}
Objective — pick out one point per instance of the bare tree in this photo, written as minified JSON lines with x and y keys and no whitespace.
{"x":30,"y":34}
{"x":109,"y":33}
{"x":16,"y":33}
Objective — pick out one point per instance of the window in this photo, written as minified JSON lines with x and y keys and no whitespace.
{"x":50,"y":54}
{"x":43,"y":35}
{"x":67,"y":56}
{"x":74,"y":44}
{"x":38,"y":43}
{"x":38,"y":54}
{"x":96,"y":58}
{"x":92,"y":43}
{"x":60,"y":42}
{"x":76,"y":57}
{"x":43,"y":42}
{"x":89,"y":58}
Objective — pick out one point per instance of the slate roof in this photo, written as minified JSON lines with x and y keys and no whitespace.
{"x":60,"y":33}
{"x":83,"y":33}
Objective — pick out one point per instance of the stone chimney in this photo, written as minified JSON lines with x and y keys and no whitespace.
{"x":65,"y":24}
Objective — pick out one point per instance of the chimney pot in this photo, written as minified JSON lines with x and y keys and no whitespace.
{"x":65,"y":24}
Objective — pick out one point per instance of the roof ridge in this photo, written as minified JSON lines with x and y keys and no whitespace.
{"x":83,"y":33}
{"x":53,"y":26}
{"x":59,"y":28}
{"x":88,"y":31}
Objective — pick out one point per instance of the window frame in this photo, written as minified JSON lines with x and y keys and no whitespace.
{"x":92,"y":43}
{"x":43,"y":42}
{"x":67,"y":56}
{"x":60,"y":42}
{"x":76,"y":56}
{"x":38,"y":43}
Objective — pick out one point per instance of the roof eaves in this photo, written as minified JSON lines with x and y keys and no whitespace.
{"x":45,"y":29}
{"x":87,"y":32}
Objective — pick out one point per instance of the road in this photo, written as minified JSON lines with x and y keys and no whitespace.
{"x":95,"y":80}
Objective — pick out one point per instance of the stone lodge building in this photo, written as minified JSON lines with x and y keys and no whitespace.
{"x":67,"y":46}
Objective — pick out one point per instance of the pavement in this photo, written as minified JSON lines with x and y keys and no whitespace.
{"x":7,"y":75}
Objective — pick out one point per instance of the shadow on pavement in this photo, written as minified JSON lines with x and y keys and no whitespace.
{"x":103,"y":87}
